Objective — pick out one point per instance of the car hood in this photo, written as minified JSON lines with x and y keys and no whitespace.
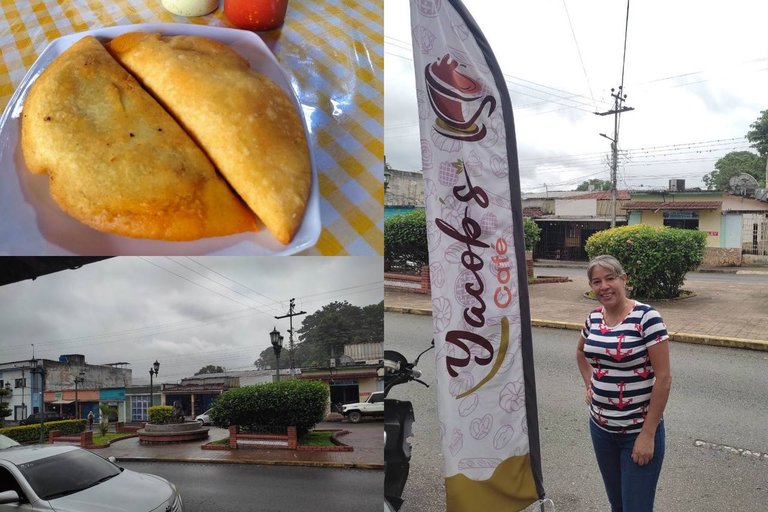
{"x":127,"y":492}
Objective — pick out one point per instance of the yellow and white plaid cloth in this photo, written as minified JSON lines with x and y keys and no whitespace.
{"x":333,"y":50}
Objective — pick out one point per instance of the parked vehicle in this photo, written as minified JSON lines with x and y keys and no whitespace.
{"x":374,"y":406}
{"x":398,"y":423}
{"x":35,"y":418}
{"x":204,"y":419}
{"x":70,"y":479}
{"x":7,"y":442}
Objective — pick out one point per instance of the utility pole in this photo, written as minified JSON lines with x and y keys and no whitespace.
{"x":618,"y":108}
{"x":290,"y":316}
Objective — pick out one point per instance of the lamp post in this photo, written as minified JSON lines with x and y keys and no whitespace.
{"x":8,"y":389}
{"x":152,"y":372}
{"x":78,"y":380}
{"x":277,"y":345}
{"x":37,"y":367}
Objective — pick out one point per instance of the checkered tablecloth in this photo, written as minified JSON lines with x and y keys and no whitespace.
{"x":333,"y":50}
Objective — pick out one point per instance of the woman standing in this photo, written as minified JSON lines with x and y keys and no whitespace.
{"x":623,"y":357}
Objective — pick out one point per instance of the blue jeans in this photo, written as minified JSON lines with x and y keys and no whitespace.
{"x":630,"y":488}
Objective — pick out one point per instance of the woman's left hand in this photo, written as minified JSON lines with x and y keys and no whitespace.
{"x":642,"y":452}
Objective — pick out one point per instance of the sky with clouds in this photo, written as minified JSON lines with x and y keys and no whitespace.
{"x":183,"y":312}
{"x":696,"y":74}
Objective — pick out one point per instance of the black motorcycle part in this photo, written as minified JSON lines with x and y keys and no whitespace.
{"x":398,"y":423}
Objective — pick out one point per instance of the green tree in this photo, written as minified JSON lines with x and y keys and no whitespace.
{"x":532,"y":233}
{"x":758,"y":135}
{"x":733,"y":164}
{"x":597,"y":184}
{"x":325,"y":332}
{"x":210,"y":369}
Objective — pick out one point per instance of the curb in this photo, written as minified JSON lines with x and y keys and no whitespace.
{"x":407,"y":311}
{"x":699,"y":339}
{"x":194,"y":460}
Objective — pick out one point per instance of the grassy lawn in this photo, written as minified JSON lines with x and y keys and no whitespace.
{"x":109,"y":436}
{"x":317,"y":439}
{"x":311,"y":439}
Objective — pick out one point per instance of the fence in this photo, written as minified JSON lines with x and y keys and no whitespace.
{"x":754,"y":236}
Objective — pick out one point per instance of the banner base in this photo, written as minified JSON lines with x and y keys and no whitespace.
{"x":510,"y":488}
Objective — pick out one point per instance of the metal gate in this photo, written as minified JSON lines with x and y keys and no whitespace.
{"x":754,"y":234}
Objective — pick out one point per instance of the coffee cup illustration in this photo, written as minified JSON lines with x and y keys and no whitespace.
{"x":457,"y":100}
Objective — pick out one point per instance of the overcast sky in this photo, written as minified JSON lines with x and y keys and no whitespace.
{"x":183,"y":312}
{"x":696,"y":74}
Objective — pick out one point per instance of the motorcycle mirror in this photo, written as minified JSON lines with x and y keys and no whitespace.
{"x":431,"y":346}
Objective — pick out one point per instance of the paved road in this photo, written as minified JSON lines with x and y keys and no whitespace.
{"x":256,"y":488}
{"x":580,"y":273}
{"x":719,"y":397}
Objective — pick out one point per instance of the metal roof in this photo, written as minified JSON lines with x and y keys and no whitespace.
{"x":673,"y":205}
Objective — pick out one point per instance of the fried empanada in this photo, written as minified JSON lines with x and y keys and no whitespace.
{"x":116,"y":160}
{"x":245,"y":123}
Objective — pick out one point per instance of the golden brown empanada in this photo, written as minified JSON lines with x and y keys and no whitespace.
{"x":116,"y":160}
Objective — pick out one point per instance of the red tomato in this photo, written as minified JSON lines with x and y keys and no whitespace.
{"x":256,"y":14}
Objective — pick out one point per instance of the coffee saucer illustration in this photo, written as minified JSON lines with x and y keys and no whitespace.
{"x":474,"y":132}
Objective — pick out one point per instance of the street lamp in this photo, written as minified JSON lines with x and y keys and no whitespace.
{"x":78,"y":380}
{"x":36,"y":366}
{"x":8,"y":389}
{"x":277,"y":345}
{"x":152,"y":372}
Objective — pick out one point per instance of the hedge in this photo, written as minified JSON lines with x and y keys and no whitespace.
{"x":405,"y":239}
{"x":160,"y":414}
{"x":296,"y":403}
{"x":26,"y":434}
{"x":655,"y":258}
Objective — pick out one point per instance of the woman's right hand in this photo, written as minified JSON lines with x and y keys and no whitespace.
{"x":588,"y":397}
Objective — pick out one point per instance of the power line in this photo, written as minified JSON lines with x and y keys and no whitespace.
{"x":578,"y":50}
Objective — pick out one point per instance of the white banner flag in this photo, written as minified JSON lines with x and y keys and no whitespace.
{"x":486,"y":387}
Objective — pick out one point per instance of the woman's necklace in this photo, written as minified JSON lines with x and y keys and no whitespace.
{"x":628,"y":307}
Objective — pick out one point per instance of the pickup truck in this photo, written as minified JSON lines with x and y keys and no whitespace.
{"x":374,"y":406}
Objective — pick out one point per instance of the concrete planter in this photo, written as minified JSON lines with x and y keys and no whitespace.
{"x":172,"y":433}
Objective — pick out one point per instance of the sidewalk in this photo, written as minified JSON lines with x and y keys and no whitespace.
{"x":719,"y":313}
{"x":367,"y":439}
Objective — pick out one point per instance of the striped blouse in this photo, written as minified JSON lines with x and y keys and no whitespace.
{"x":622,"y":375}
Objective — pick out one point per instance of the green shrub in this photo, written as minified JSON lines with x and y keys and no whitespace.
{"x":405,"y":240}
{"x":26,"y":434}
{"x":655,"y":258}
{"x":532,"y":233}
{"x":299,"y":403}
{"x":160,"y":414}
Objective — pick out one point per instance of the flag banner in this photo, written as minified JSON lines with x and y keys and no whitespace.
{"x":485,"y":378}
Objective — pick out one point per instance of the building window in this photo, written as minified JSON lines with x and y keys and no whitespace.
{"x":681,"y":219}
{"x":20,"y":383}
{"x":139,"y":406}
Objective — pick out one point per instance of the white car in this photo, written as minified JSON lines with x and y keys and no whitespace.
{"x":7,"y":442}
{"x":203,"y":419}
{"x":70,"y":479}
{"x":374,"y":406}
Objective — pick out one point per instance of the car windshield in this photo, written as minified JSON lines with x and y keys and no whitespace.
{"x":67,"y":473}
{"x":7,"y":442}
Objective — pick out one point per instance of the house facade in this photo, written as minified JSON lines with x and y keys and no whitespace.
{"x":100,"y":385}
{"x":736,"y":226}
{"x":568,"y":219}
